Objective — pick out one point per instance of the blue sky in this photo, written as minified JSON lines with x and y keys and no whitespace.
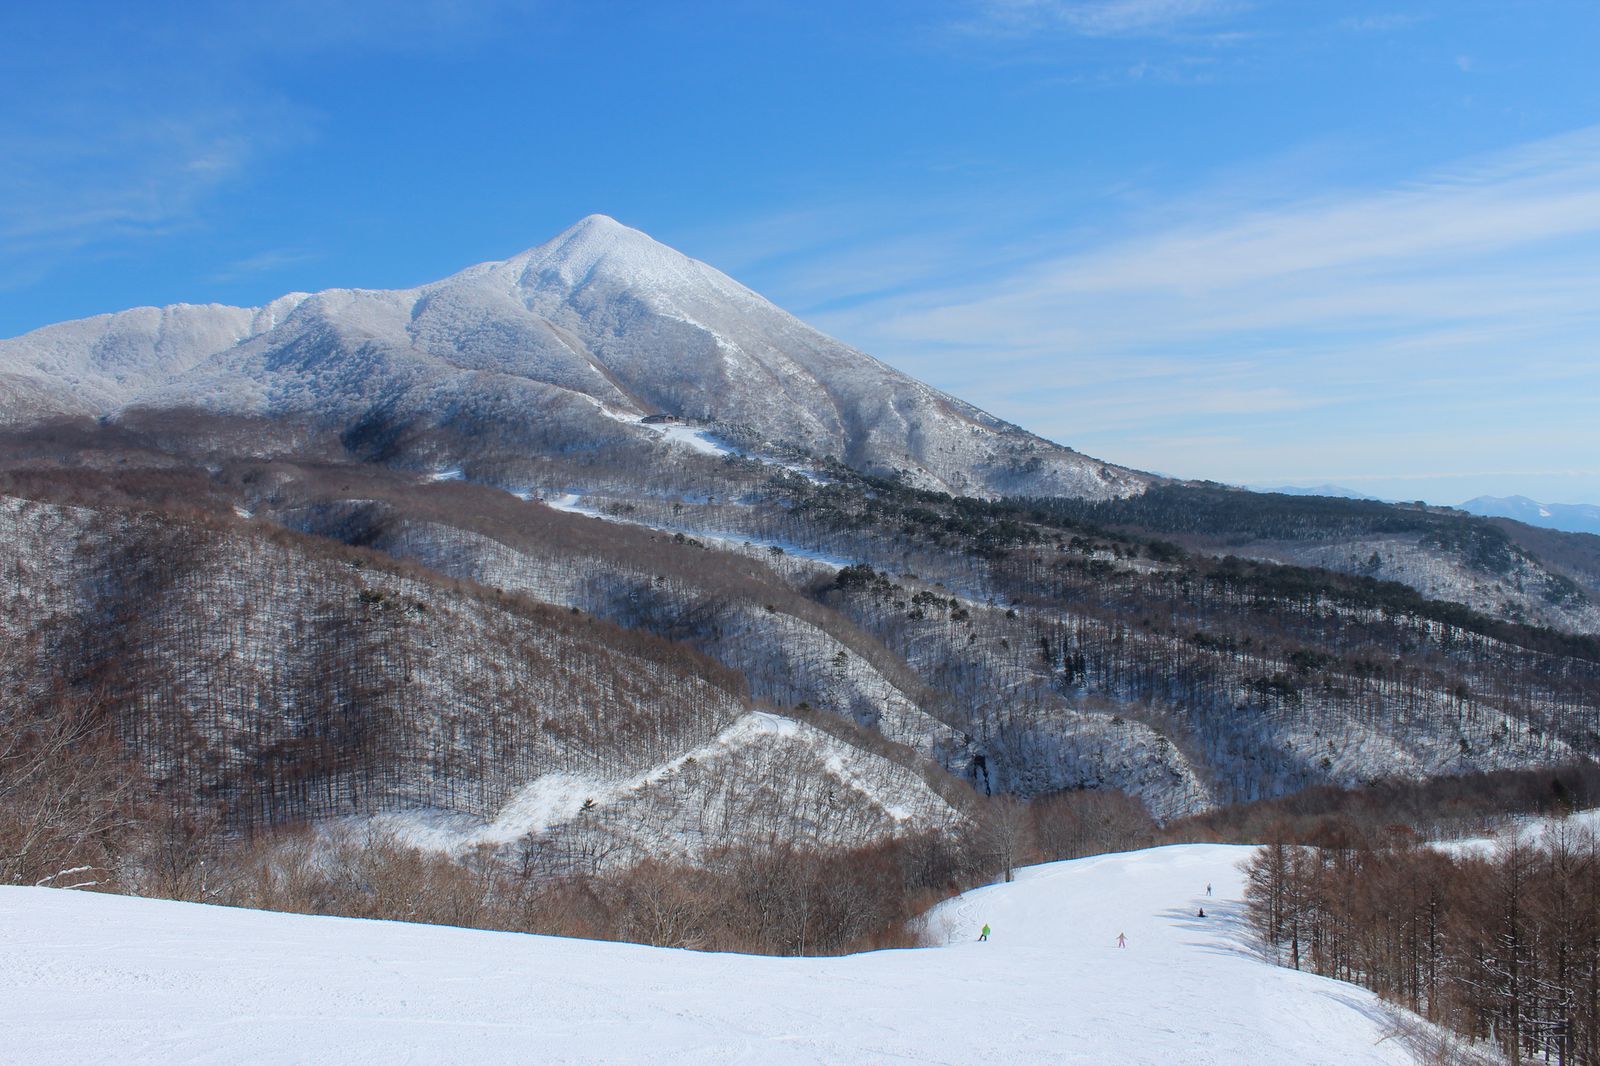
{"x":1258,"y":241}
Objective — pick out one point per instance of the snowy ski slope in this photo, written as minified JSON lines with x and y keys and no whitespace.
{"x":106,"y":978}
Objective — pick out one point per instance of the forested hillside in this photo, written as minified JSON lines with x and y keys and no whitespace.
{"x":1022,"y":647}
{"x":591,"y":559}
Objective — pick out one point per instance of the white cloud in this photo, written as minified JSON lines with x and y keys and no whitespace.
{"x":1460,"y":303}
{"x":1431,"y":250}
{"x":1098,"y":18}
{"x":1541,"y":192}
{"x":133,"y":129}
{"x":78,"y":178}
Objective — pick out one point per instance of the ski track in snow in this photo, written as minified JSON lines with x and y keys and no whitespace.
{"x":97,"y":978}
{"x":702,"y":440}
{"x":572,"y":503}
{"x":707,"y":443}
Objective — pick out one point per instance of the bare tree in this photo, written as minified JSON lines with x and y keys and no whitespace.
{"x":1005,"y":832}
{"x":65,"y":794}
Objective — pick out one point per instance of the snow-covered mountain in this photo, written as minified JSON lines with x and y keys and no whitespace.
{"x":1568,"y":517}
{"x":566,"y":346}
{"x":603,"y":429}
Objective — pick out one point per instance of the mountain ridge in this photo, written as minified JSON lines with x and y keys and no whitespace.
{"x":599,"y":322}
{"x":1567,"y":517}
{"x":613,"y":430}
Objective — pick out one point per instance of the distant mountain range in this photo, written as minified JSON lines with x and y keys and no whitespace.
{"x":1338,"y":491}
{"x":1568,"y":517}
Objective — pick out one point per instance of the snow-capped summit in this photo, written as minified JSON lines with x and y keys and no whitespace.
{"x":556,"y":348}
{"x":599,"y":250}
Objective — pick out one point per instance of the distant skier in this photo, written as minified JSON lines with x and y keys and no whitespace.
{"x":1208,"y":888}
{"x":1122,"y":940}
{"x":1202,"y":913}
{"x":984,"y":934}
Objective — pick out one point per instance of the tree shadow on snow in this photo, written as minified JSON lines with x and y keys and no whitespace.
{"x":1225,"y":929}
{"x":1227,"y":933}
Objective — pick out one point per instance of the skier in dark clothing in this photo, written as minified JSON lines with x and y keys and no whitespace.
{"x":1202,"y":913}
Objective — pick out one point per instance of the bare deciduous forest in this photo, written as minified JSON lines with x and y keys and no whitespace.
{"x":1502,"y":946}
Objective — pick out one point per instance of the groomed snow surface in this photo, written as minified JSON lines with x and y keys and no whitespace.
{"x":105,"y":978}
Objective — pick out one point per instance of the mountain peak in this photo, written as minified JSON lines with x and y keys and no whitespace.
{"x":597,"y":250}
{"x":593,"y":235}
{"x":594,"y":231}
{"x":1523,"y":501}
{"x":1568,"y":517}
{"x":598,"y":319}
{"x":596,"y":221}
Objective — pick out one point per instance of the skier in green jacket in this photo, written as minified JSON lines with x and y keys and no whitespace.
{"x":984,"y":935}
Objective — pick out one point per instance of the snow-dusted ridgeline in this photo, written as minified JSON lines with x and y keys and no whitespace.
{"x":764,"y":777}
{"x":294,"y":679}
{"x":566,"y":346}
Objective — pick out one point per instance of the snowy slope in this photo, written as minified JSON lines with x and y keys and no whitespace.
{"x":95,"y":977}
{"x":1528,"y":589}
{"x":96,"y":365}
{"x":562,"y":347}
{"x":764,"y":776}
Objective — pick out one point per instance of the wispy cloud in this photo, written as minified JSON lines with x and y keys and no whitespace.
{"x":1459,"y":305}
{"x":119,"y":173}
{"x":135,"y":127}
{"x":264,"y":262}
{"x":94,"y":180}
{"x":1097,"y":18}
{"x":1432,"y":250}
{"x":1383,"y":22}
{"x":1112,"y":43}
{"x":1452,"y":475}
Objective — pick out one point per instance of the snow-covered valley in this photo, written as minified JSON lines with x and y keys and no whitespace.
{"x":98,"y":978}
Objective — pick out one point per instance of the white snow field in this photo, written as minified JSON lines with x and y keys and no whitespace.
{"x":106,"y":978}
